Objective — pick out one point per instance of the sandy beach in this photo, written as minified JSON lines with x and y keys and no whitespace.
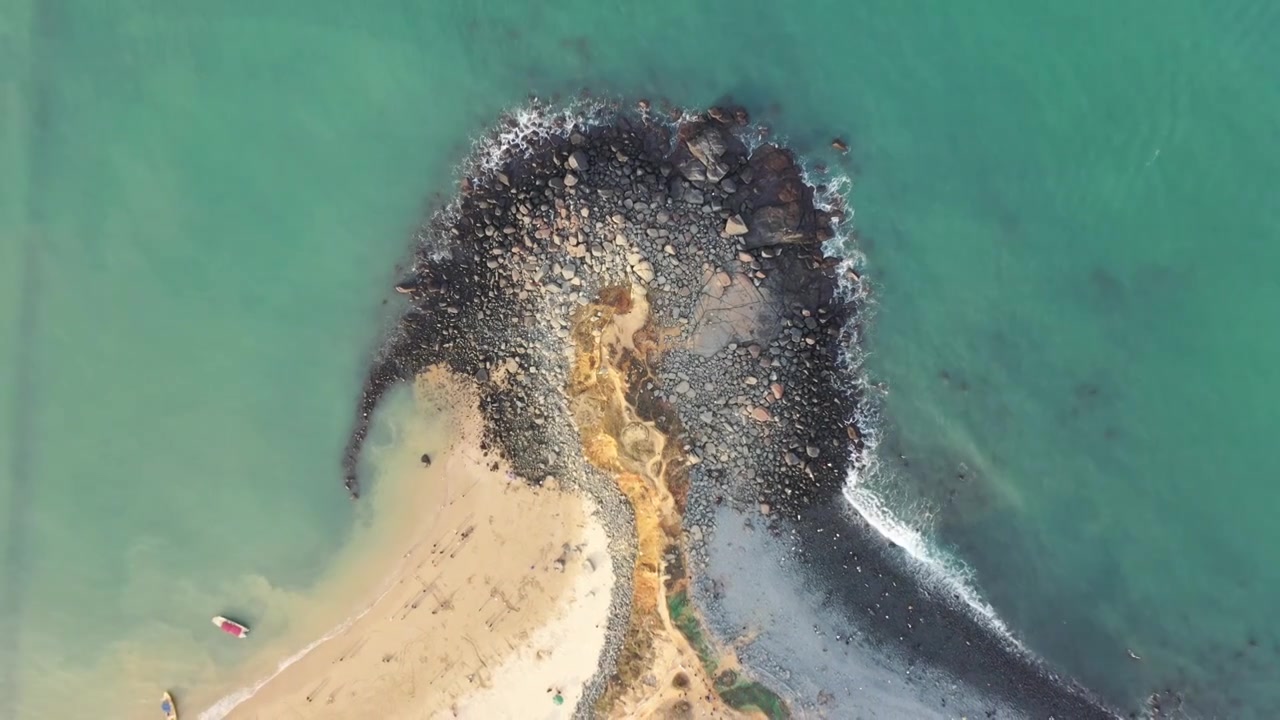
{"x":496,"y":600}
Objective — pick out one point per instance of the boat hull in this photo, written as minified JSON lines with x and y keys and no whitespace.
{"x":168,"y":707}
{"x":230,"y":627}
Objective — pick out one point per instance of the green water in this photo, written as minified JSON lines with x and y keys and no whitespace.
{"x":1068,"y":209}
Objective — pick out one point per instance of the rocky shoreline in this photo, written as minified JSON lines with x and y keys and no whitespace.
{"x":649,"y":315}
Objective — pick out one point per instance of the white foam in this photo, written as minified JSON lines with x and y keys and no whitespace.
{"x":936,"y":569}
{"x":939,"y":572}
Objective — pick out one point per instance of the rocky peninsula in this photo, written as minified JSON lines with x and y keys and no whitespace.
{"x":644,"y":308}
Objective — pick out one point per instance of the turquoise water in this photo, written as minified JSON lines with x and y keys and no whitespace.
{"x":1067,"y":209}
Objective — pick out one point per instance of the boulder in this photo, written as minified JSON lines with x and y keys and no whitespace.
{"x":644,"y":270}
{"x":708,"y":146}
{"x":777,"y":225}
{"x":734,"y":226}
{"x":693,"y":171}
{"x":578,"y":161}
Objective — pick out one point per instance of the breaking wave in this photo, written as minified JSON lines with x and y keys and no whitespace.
{"x":939,"y":572}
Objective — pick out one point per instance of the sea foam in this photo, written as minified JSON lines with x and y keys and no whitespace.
{"x":938,"y":571}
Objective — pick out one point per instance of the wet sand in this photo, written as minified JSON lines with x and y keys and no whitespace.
{"x":496,"y":598}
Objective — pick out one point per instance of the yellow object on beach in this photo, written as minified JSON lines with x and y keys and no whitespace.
{"x":167,"y":705}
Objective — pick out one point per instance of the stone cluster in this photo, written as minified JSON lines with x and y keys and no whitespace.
{"x":724,"y":240}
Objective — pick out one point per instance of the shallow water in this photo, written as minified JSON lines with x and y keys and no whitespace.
{"x":1066,"y":210}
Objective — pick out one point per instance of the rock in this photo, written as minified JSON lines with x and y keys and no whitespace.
{"x":759,"y":414}
{"x":812,"y":451}
{"x":764,"y":508}
{"x":692,"y":170}
{"x":682,"y":387}
{"x":722,"y":279}
{"x":791,"y":458}
{"x":482,"y":375}
{"x":852,"y":432}
{"x":750,"y":380}
{"x":840,"y":145}
{"x":734,"y":226}
{"x":716,"y":171}
{"x":669,"y":249}
{"x":426,"y":459}
{"x":693,"y":196}
{"x":502,"y":178}
{"x":776,"y":389}
{"x":777,"y":225}
{"x":406,"y":288}
{"x":570,"y":180}
{"x":578,"y":161}
{"x":707,"y":145}
{"x":644,"y":269}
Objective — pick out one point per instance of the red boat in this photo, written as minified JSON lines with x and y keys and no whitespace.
{"x":231,"y":627}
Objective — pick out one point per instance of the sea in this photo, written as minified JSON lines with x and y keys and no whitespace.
{"x":1066,"y":215}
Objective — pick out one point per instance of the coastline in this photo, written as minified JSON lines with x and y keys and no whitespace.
{"x":465,"y":589}
{"x":649,"y":316}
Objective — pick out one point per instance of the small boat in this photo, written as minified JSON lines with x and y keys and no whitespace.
{"x":168,"y":708}
{"x":231,"y":627}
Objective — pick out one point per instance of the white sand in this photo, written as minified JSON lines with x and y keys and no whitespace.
{"x":488,"y":598}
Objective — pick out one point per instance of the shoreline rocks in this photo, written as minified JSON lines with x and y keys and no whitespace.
{"x":740,"y":361}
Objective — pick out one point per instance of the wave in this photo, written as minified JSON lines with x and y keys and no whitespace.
{"x":935,"y":567}
{"x":938,"y":571}
{"x":226,"y":704}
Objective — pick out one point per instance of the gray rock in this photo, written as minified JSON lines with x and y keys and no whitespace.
{"x":644,"y":269}
{"x":707,"y":146}
{"x":578,"y":161}
{"x":693,"y":171}
{"x":734,"y":226}
{"x":570,"y":180}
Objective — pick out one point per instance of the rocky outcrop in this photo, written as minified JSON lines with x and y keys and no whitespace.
{"x":738,"y":362}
